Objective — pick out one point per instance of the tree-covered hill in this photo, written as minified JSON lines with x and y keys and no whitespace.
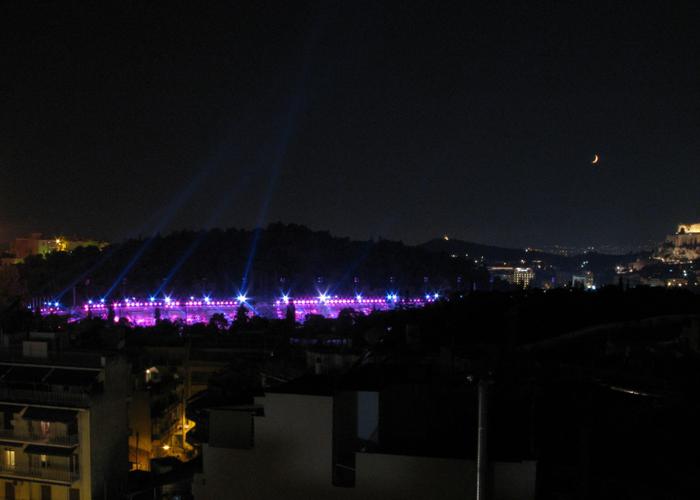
{"x":286,"y":258}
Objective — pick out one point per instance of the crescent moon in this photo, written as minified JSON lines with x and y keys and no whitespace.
{"x":596,"y":159}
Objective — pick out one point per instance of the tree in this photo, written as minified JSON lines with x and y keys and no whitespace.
{"x":12,"y":288}
{"x":241,"y":316}
{"x":290,"y":314}
{"x":347,"y":318}
{"x":218,"y":321}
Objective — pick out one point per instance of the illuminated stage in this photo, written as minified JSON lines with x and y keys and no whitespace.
{"x":144,"y":312}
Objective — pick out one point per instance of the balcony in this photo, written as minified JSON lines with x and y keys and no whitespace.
{"x":35,"y":396}
{"x":30,"y":437}
{"x":54,"y":474}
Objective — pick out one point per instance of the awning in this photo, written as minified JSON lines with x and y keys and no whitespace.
{"x":49,"y":414}
{"x":10,"y":443}
{"x":37,"y":449}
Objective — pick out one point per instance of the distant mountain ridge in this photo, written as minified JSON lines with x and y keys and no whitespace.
{"x":287,"y":257}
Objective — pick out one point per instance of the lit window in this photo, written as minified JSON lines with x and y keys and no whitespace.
{"x":44,"y":460}
{"x":9,"y":458}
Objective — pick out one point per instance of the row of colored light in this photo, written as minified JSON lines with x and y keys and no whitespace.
{"x":165,"y":304}
{"x":321,"y":299}
{"x":207,"y":302}
{"x":359,"y":299}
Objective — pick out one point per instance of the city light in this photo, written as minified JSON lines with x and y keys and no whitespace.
{"x":141,"y":311}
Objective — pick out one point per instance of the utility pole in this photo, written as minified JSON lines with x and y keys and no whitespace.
{"x":482,"y":456}
{"x":185,"y":393}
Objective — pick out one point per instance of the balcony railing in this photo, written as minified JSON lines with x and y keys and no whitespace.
{"x":57,"y":474}
{"x":31,"y":437}
{"x":47,"y":397}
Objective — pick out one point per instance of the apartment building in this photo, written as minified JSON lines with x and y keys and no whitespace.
{"x":63,"y":423}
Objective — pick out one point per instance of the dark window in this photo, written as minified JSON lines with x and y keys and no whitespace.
{"x":74,"y":494}
{"x":45,"y":492}
{"x":9,"y":491}
{"x":7,"y":423}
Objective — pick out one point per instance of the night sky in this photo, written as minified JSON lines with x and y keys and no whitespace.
{"x":405,"y":120}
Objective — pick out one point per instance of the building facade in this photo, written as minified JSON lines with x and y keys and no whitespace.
{"x":518,"y":276}
{"x":683,"y":246}
{"x":35,"y":244}
{"x":63,"y":418}
{"x":523,"y":276}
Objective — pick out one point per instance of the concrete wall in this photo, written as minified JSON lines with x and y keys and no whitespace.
{"x":403,"y":477}
{"x":291,"y":456}
{"x":139,"y":412}
{"x":84,"y":454}
{"x":108,"y":434}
